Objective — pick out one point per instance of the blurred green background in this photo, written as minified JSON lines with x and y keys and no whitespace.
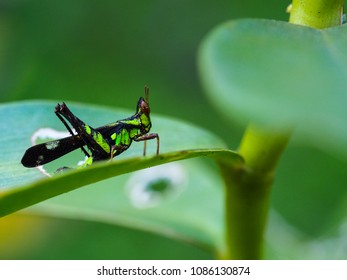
{"x":104,"y":53}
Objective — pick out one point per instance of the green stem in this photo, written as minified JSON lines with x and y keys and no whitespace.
{"x":248,"y":190}
{"x":317,"y":13}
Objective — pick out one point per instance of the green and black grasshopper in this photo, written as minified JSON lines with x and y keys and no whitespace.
{"x":104,"y":142}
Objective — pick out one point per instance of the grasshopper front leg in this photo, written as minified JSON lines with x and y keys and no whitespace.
{"x":146,"y":137}
{"x":117,"y":149}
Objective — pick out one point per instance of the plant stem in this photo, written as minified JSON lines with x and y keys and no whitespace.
{"x":248,"y":190}
{"x":317,"y":13}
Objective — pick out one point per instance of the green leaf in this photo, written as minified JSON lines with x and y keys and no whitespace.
{"x":188,"y":206}
{"x":22,"y":187}
{"x":280,"y":74}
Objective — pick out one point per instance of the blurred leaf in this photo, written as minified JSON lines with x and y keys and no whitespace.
{"x":287,"y":242}
{"x":189,"y":207}
{"x":310,"y":190}
{"x":50,"y":238}
{"x":280,"y":74}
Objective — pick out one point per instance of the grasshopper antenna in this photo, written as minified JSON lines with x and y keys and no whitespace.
{"x":147,"y":94}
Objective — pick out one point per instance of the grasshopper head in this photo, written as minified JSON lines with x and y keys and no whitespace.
{"x":143,"y":107}
{"x":143,"y":110}
{"x":143,"y":103}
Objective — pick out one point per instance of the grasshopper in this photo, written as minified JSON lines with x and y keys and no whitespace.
{"x":105,"y":142}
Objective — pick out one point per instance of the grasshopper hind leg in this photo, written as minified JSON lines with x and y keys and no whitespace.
{"x":94,"y":140}
{"x":57,"y":110}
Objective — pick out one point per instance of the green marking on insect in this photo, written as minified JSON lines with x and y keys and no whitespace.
{"x":105,"y":142}
{"x":88,"y":129}
{"x":133,"y":132}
